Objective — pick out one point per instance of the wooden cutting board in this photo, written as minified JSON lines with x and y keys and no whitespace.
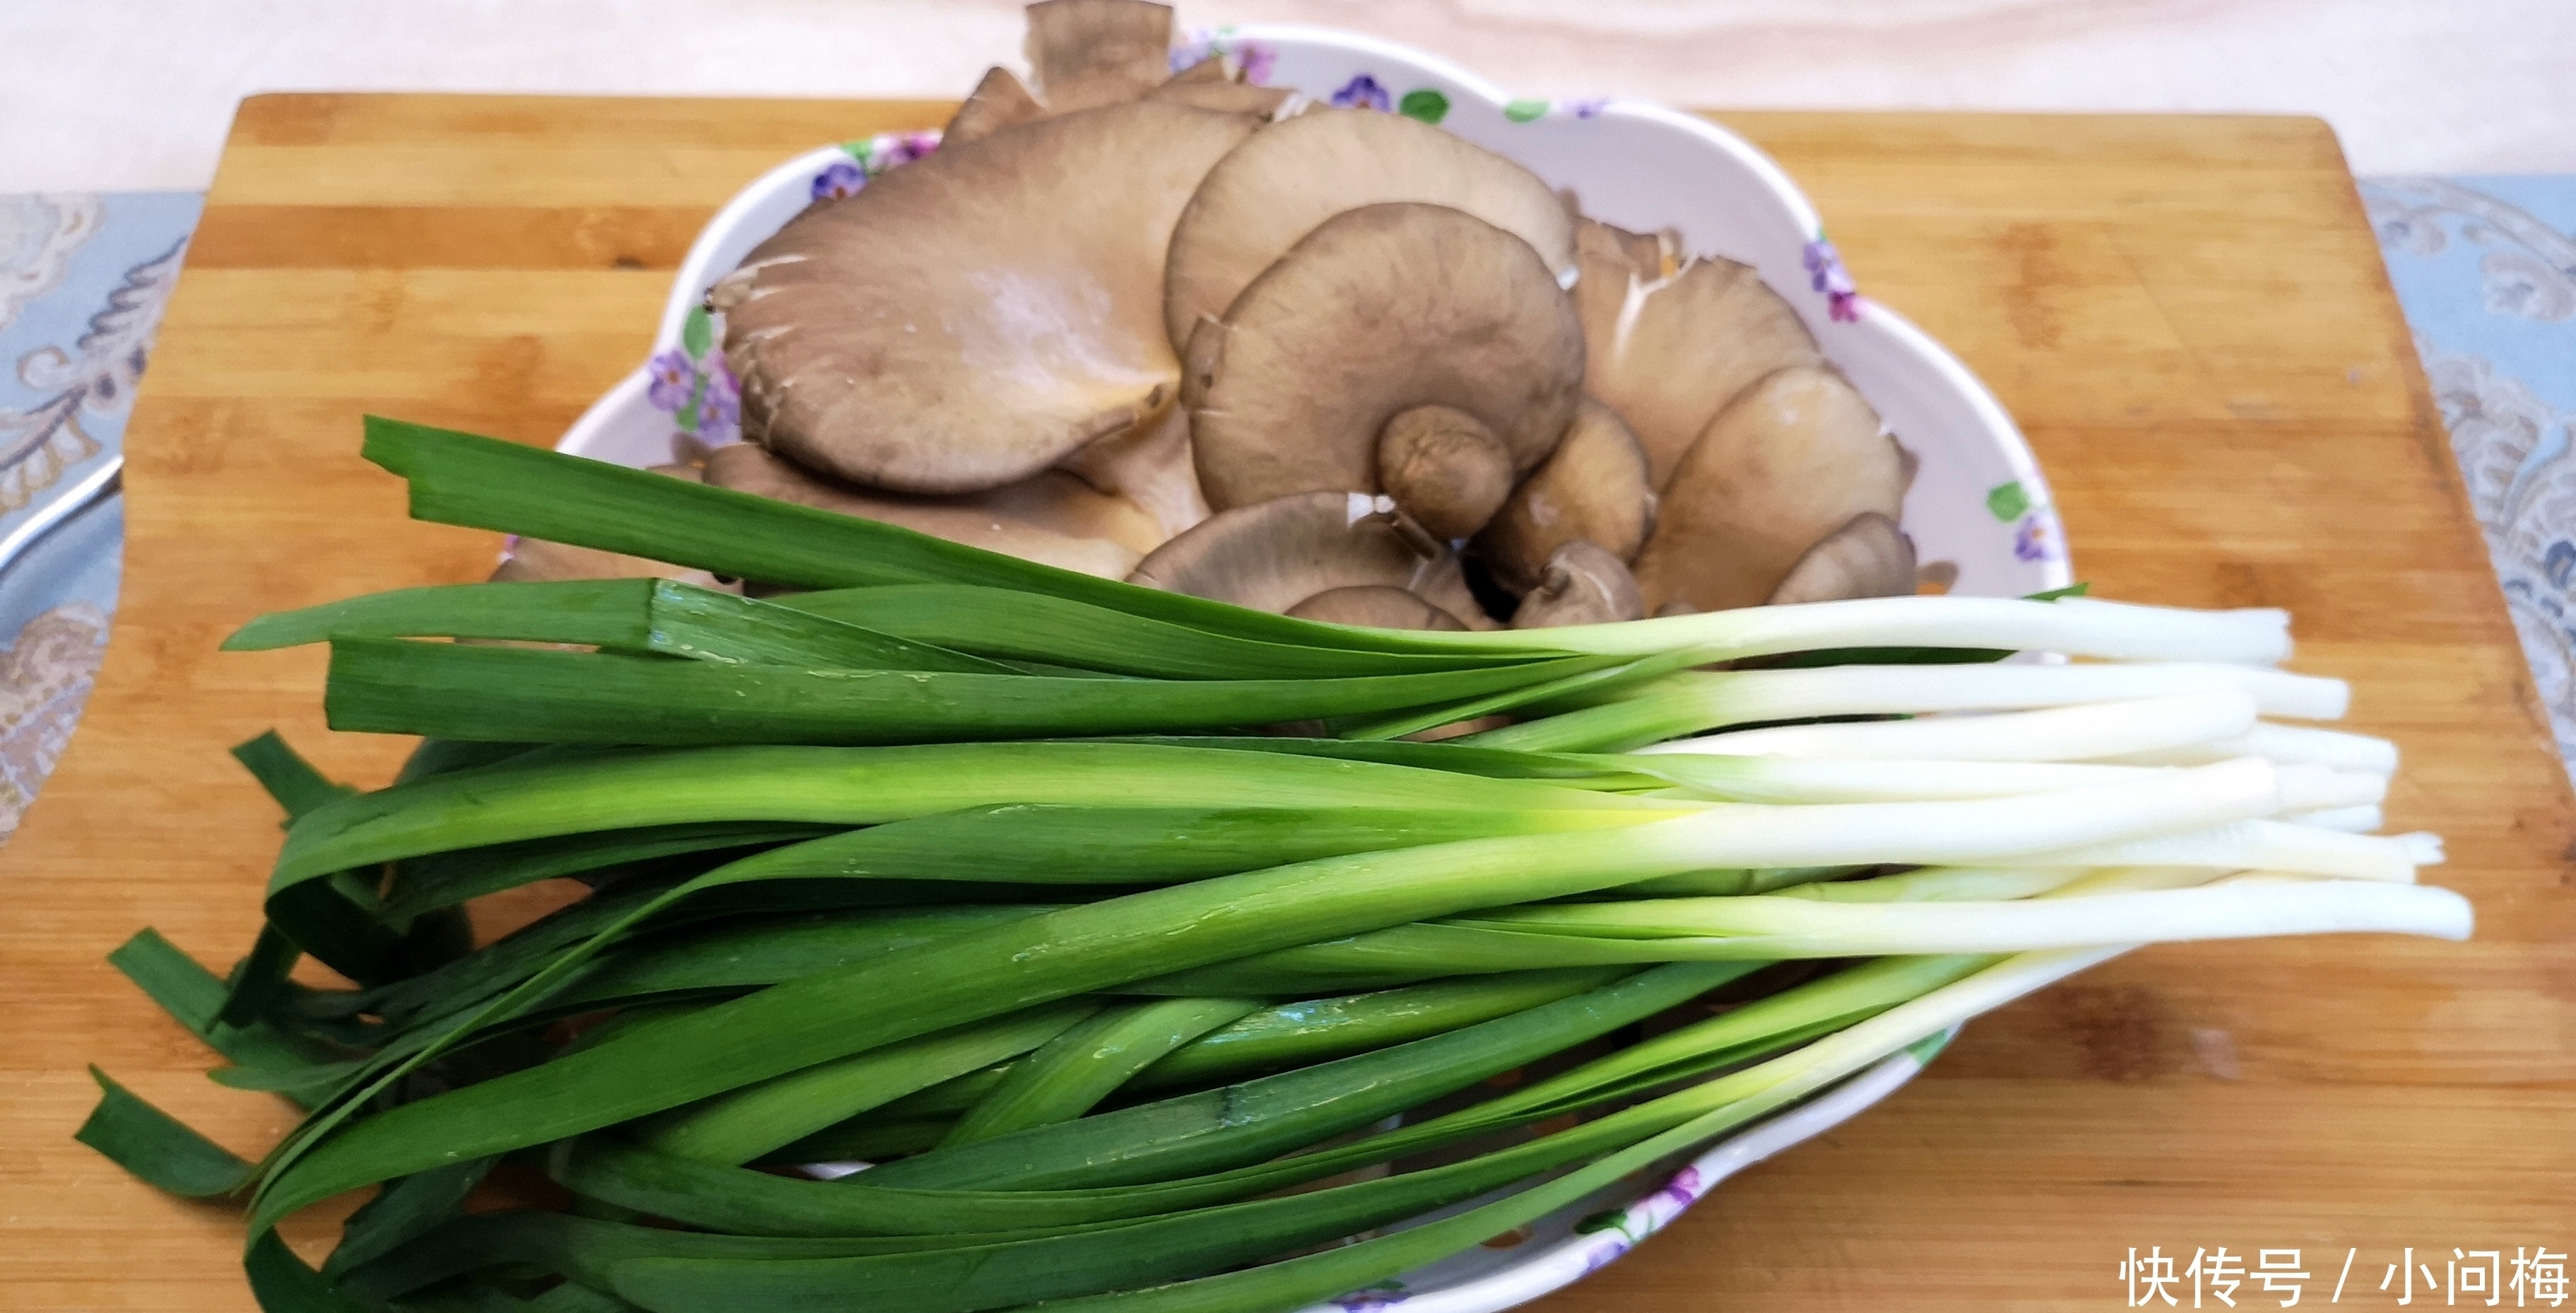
{"x":2187,"y":314}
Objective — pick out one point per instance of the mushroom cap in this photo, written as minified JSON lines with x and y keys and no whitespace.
{"x":968,"y":319}
{"x":999,"y":101}
{"x":1869,"y":557}
{"x":1293,"y":175}
{"x":1378,"y":310}
{"x":1790,"y":461}
{"x":1668,"y":353}
{"x":1272,"y":555}
{"x":1378,"y":606}
{"x":1594,"y":488}
{"x":1445,"y":468}
{"x":1088,"y":53}
{"x":1582,"y":585}
{"x":1051,"y":516}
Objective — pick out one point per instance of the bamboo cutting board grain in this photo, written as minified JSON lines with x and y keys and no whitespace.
{"x":2187,"y":314}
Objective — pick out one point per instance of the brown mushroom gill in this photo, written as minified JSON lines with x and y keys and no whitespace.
{"x":971,"y":318}
{"x":1668,"y":353}
{"x":1290,"y":177}
{"x":1378,"y":311}
{"x":1051,"y":516}
{"x":1272,"y":555}
{"x":1593,"y":489}
{"x":1793,"y":459}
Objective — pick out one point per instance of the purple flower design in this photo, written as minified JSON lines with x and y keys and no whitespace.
{"x":1363,"y":92}
{"x":843,"y":178}
{"x":1584,"y":109}
{"x":674,"y":380}
{"x":1604,"y":1256}
{"x":1682,"y":1190}
{"x":1825,"y":273}
{"x":2035,"y":539}
{"x":1374,"y":1298}
{"x":721,"y":405}
{"x":1256,"y":59}
{"x":901,"y":148}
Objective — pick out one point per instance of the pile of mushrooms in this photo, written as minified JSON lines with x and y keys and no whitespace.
{"x":1336,"y":363}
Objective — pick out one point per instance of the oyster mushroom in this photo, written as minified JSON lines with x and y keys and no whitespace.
{"x":1051,"y":516}
{"x":1088,"y":53}
{"x":1582,"y":585}
{"x":1869,"y":557}
{"x":1272,"y":555}
{"x":973,"y":317}
{"x":1379,"y":606}
{"x":1378,"y":311}
{"x":1001,"y":100}
{"x":1101,"y":52}
{"x":1669,"y":352}
{"x":1288,"y":178}
{"x":1796,"y":457}
{"x":1593,"y":489}
{"x":1206,"y":85}
{"x":1866,"y":557}
{"x":1444,"y":467}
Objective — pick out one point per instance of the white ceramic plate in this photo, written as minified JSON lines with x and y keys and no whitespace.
{"x":1978,"y":501}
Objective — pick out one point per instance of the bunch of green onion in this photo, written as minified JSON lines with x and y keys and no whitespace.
{"x":987,"y":877}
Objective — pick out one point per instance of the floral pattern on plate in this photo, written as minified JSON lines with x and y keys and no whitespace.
{"x":1249,"y":60}
{"x":868,"y":158}
{"x":692,"y":383}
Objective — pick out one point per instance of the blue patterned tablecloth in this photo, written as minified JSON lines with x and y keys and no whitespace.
{"x":82,"y":281}
{"x":2485,"y":268}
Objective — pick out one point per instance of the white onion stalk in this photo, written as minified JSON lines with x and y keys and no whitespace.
{"x":2306,"y":787}
{"x":1987,"y":884}
{"x":2089,"y":731}
{"x":2360,"y":819}
{"x":1944,"y":884}
{"x":1964,"y":832}
{"x":1793,"y":1076}
{"x":2075,"y":626}
{"x":1790,"y":780}
{"x":2257,"y":845}
{"x":1795,"y":780}
{"x":2323,"y":747}
{"x":1751,"y":695}
{"x":1769,"y":926}
{"x":1697,"y":701}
